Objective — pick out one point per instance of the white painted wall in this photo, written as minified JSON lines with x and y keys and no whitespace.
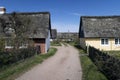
{"x":47,"y":42}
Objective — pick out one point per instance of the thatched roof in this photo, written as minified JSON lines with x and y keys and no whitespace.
{"x":39,"y":23}
{"x":100,"y":26}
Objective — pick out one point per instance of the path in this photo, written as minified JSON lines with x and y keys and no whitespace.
{"x":64,"y":65}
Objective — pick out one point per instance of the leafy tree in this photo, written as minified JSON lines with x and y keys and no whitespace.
{"x":17,"y":28}
{"x":20,"y":24}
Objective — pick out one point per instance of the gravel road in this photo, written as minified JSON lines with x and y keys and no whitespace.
{"x":64,"y":65}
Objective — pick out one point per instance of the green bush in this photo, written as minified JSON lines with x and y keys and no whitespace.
{"x":2,"y":44}
{"x":9,"y":57}
{"x":11,"y":72}
{"x":90,"y":70}
{"x":107,"y":64}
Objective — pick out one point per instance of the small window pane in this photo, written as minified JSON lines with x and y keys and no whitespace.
{"x":106,"y":41}
{"x":102,"y":41}
{"x":117,"y":41}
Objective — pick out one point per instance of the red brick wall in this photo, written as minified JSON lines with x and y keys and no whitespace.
{"x":41,"y":43}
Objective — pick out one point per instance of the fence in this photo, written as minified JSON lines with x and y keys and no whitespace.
{"x":107,"y":64}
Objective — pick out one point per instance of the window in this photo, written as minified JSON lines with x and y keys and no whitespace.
{"x":104,"y":41}
{"x":117,"y":41}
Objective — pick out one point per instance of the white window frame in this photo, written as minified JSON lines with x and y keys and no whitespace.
{"x":118,"y":41}
{"x":105,"y":41}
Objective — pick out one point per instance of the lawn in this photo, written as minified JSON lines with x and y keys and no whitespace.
{"x":15,"y":70}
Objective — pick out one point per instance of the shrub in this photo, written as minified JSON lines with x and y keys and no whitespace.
{"x":109,"y":65}
{"x":9,"y":57}
{"x":2,"y":44}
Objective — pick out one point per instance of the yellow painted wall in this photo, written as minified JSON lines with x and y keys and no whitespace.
{"x":96,"y":42}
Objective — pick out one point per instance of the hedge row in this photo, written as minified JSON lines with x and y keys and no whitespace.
{"x":109,"y":65}
{"x":9,"y":57}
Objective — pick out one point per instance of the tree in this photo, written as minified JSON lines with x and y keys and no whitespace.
{"x":17,"y":29}
{"x":20,"y":24}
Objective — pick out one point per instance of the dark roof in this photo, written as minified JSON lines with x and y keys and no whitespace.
{"x":39,"y":23}
{"x":54,"y":33}
{"x":99,"y":26}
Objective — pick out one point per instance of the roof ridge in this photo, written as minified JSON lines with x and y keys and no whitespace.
{"x":100,"y":16}
{"x":30,"y":12}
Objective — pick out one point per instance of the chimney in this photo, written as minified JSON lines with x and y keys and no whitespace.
{"x":2,"y":10}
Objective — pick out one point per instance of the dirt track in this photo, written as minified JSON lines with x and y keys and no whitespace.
{"x":64,"y":65}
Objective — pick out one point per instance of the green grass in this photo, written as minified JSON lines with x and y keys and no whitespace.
{"x":71,"y":43}
{"x":15,"y":70}
{"x":90,"y":70}
{"x":55,"y":43}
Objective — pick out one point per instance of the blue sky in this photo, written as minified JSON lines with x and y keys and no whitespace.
{"x":65,"y":14}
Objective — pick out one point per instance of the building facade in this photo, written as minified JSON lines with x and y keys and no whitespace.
{"x":101,"y":32}
{"x":39,"y":28}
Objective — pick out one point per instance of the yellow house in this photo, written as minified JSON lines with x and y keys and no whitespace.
{"x":101,"y":32}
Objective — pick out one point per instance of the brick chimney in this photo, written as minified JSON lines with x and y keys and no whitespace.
{"x":2,"y":10}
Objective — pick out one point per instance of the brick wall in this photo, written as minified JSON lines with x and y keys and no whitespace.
{"x":41,"y":43}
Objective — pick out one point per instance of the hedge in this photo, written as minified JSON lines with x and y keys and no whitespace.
{"x":107,"y":64}
{"x":9,"y":57}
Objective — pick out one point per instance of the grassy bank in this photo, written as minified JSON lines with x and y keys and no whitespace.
{"x":90,"y":71}
{"x":15,"y":70}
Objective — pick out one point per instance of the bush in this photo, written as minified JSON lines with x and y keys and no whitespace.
{"x":109,"y":65}
{"x":2,"y":44}
{"x":9,"y":57}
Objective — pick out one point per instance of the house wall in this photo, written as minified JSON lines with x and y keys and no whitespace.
{"x":96,"y":42}
{"x":47,"y":43}
{"x":114,"y":47}
{"x":41,"y":43}
{"x":82,"y":43}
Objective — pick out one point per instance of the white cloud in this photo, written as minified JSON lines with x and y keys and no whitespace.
{"x":76,"y":14}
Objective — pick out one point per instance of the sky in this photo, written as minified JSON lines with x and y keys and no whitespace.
{"x":65,"y":14}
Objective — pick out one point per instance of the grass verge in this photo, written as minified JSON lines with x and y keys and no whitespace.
{"x":13,"y":71}
{"x":65,"y":44}
{"x":55,"y":43}
{"x":90,"y":71}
